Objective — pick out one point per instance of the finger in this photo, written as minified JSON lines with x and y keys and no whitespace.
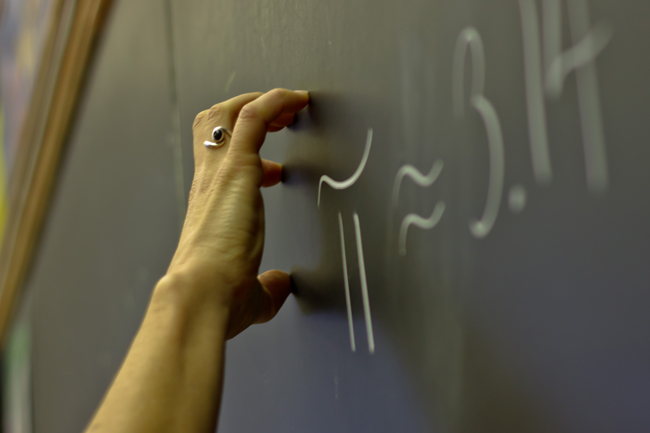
{"x":272,"y":173}
{"x":256,"y":117}
{"x":224,"y":113}
{"x":277,"y":287}
{"x":234,"y":105}
{"x":285,"y":119}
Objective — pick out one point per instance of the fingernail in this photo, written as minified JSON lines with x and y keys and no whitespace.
{"x":303,"y":92}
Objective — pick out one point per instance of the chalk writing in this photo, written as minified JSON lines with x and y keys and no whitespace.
{"x":413,"y":219}
{"x":470,"y":37}
{"x":589,"y":42}
{"x":422,"y":223}
{"x":414,"y":174}
{"x":348,"y":302}
{"x":352,"y":179}
{"x":364,"y":285}
{"x":546,"y":67}
{"x":357,"y":230}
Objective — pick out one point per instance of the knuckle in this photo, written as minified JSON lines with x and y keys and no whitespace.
{"x":216,"y":112}
{"x":249,"y":111}
{"x":277,"y":94}
{"x":199,"y":119}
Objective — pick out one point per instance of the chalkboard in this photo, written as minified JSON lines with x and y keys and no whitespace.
{"x":464,"y":212}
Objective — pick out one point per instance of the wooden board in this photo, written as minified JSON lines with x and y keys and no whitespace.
{"x":51,"y":111}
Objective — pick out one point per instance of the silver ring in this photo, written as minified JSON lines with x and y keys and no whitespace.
{"x":219,"y":136}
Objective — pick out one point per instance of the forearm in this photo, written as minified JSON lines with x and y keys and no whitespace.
{"x":171,"y":378}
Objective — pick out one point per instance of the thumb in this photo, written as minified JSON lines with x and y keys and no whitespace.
{"x":277,"y":287}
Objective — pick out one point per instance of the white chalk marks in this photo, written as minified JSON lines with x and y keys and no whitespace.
{"x":352,"y":179}
{"x":418,"y":178}
{"x":481,"y":228}
{"x":348,"y":302}
{"x":413,"y":219}
{"x":362,"y":267}
{"x":470,"y":37}
{"x":547,"y":67}
{"x":364,"y":285}
{"x":588,"y":43}
{"x":537,"y":126}
{"x":517,"y":198}
{"x":418,"y":221}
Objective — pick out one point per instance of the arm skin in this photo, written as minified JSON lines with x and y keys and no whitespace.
{"x":172,"y":376}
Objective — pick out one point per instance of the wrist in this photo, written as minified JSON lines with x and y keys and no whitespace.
{"x":189,"y":293}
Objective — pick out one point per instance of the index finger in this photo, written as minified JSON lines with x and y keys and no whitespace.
{"x":256,"y":116}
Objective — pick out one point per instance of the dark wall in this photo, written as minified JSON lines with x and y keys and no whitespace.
{"x":533,"y":319}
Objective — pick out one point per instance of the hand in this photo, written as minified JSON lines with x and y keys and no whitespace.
{"x":221,"y":244}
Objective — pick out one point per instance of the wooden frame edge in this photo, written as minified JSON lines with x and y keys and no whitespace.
{"x":38,"y":160}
